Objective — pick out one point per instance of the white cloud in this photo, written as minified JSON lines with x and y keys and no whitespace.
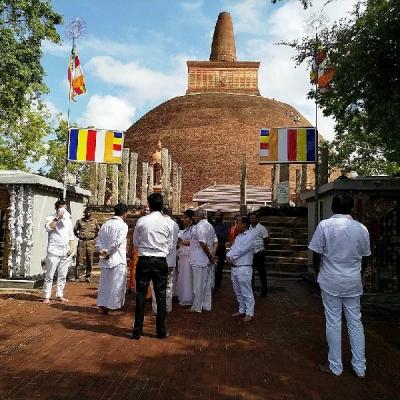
{"x":108,"y":112}
{"x":279,"y":77}
{"x":145,"y":85}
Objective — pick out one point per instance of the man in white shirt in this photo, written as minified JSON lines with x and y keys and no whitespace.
{"x":261,"y":240}
{"x":111,"y":243}
{"x":202,"y":249}
{"x":59,"y":250}
{"x":240,"y":258}
{"x":171,"y":261}
{"x":153,"y":240}
{"x":339,"y":244}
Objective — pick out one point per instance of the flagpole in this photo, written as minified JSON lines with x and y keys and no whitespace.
{"x":316,"y":169}
{"x":72,"y":66}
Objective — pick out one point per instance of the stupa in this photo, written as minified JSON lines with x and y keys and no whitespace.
{"x":216,"y":121}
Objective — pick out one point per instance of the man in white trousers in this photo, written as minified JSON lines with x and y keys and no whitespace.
{"x":339,"y":244}
{"x":202,"y":249}
{"x":171,"y":261}
{"x":112,"y":251}
{"x":59,"y":250}
{"x":240,"y":257}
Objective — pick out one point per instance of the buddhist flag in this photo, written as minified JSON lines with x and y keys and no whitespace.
{"x":322,"y":71}
{"x":287,"y":145}
{"x":75,"y":76}
{"x":91,"y":145}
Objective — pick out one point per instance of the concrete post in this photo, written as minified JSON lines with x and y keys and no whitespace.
{"x":102,"y":184}
{"x":132,"y":179}
{"x":145,"y":171}
{"x":94,"y":171}
{"x":114,"y":184}
{"x":150,"y":188}
{"x":175,"y":188}
{"x":165,"y":173}
{"x":125,"y":176}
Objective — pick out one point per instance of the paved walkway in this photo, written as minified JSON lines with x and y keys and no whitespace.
{"x":70,"y":352}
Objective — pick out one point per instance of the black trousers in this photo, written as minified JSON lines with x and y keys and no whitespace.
{"x":151,"y":269}
{"x":259,"y":266}
{"x":219,"y":269}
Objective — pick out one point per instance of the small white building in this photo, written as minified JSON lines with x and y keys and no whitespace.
{"x":26,"y":200}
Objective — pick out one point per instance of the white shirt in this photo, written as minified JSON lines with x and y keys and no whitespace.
{"x":342,"y":242}
{"x":153,"y":235}
{"x":184,"y":234}
{"x":261,"y":233}
{"x":242,"y":251}
{"x":112,"y":238}
{"x":60,"y":236}
{"x":171,"y":257}
{"x":202,"y":232}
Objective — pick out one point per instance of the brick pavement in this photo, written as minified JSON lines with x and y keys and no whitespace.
{"x":70,"y":352}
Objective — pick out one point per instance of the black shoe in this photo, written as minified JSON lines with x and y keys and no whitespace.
{"x":164,"y":336}
{"x":135,"y":334}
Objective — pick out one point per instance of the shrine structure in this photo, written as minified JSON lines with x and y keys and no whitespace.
{"x":217,"y":121}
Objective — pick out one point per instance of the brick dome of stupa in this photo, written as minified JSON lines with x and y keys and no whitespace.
{"x":218,"y":119}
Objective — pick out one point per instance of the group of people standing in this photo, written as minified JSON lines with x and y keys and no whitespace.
{"x":186,"y":261}
{"x":189,"y":262}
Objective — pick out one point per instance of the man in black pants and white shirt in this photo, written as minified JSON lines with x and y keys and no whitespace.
{"x":153,"y":239}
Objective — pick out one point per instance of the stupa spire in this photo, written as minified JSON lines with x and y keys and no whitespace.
{"x":223,"y":46}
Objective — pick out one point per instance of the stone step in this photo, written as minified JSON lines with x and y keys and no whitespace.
{"x":297,"y":224}
{"x":286,"y":253}
{"x":284,"y":220}
{"x":286,"y":259}
{"x":286,"y":267}
{"x":288,"y":246}
{"x":293,"y":241}
{"x":286,"y":275}
{"x":287,"y":230}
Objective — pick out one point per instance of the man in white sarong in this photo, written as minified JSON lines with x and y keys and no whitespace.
{"x":112,"y":251}
{"x":59,"y":250}
{"x":171,"y":262}
{"x":185,"y":274}
{"x":339,"y":244}
{"x":240,"y":258}
{"x":202,"y":249}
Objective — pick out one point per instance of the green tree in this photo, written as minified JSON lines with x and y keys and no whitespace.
{"x":23,"y":143}
{"x":364,"y":94}
{"x":24,"y":120}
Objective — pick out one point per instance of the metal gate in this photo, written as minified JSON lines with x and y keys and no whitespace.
{"x":386,"y":253}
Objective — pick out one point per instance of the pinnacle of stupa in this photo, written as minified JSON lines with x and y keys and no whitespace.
{"x":223,"y":46}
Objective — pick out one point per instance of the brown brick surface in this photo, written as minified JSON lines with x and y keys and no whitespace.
{"x":207,"y":133}
{"x":70,"y":352}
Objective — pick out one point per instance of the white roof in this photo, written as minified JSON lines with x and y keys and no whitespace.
{"x":227,"y":197}
{"x":15,"y":177}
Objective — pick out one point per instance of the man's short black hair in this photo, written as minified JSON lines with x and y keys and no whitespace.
{"x":342,"y":203}
{"x":244,"y":219}
{"x":59,"y":203}
{"x":155,"y":201}
{"x":120,"y":209}
{"x":189,"y":213}
{"x":253,"y":213}
{"x":88,"y":210}
{"x":167,"y":210}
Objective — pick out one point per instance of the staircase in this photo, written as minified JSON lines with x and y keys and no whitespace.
{"x":286,"y":253}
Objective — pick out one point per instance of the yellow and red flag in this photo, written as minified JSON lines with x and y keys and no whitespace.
{"x":75,"y":76}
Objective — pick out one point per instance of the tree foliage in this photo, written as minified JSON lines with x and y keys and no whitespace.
{"x":364,"y":97}
{"x":24,"y":25}
{"x":23,"y":143}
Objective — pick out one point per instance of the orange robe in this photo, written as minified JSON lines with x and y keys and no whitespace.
{"x":132,"y":271}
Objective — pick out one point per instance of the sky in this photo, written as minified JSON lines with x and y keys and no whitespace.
{"x":134,"y":53}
